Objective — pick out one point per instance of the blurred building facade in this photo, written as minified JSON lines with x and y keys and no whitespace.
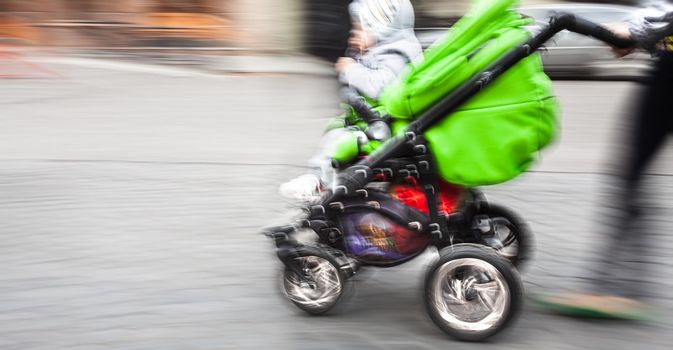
{"x":127,"y":23}
{"x":217,"y":24}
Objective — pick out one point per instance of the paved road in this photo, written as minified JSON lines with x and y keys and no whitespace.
{"x":131,"y":201}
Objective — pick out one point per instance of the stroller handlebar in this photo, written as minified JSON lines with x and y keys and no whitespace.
{"x":586,"y":27}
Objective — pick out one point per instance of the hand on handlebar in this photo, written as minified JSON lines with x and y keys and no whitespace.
{"x":621,"y":30}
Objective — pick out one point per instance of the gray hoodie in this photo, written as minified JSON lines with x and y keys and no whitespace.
{"x":383,"y":63}
{"x":646,"y":29}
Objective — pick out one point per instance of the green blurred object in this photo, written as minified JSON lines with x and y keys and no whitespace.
{"x":345,"y":148}
{"x":496,"y":135}
{"x":595,"y":306}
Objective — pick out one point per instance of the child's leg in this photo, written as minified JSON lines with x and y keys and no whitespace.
{"x":321,"y":173}
{"x":322,"y":160}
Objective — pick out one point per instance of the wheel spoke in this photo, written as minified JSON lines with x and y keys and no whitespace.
{"x":487,"y":300}
{"x":510,"y":239}
{"x":457,"y":287}
{"x":488,"y":287}
{"x":500,"y":223}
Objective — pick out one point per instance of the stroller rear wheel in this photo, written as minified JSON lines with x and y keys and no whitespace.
{"x":314,"y":285}
{"x":508,"y":233}
{"x":471,"y":292}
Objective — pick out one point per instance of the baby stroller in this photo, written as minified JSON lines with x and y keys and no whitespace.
{"x":473,"y":113}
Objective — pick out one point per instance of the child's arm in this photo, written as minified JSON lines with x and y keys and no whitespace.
{"x":372,"y":81}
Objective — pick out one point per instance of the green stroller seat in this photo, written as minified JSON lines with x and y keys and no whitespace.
{"x":495,"y":136}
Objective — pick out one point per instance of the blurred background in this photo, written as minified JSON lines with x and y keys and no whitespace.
{"x":319,"y":27}
{"x":142,"y":143}
{"x":193,"y":32}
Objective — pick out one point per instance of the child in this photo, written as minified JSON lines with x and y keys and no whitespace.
{"x":381,"y":44}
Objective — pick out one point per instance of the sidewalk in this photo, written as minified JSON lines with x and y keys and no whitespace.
{"x":132,"y":202}
{"x":286,"y":64}
{"x":215,"y":63}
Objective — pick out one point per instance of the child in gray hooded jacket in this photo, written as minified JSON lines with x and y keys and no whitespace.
{"x":381,"y":44}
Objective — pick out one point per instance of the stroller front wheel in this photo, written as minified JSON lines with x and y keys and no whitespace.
{"x":315,"y":285}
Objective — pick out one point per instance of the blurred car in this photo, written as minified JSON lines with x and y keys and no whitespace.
{"x":571,"y":55}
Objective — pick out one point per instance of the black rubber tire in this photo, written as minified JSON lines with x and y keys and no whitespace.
{"x":325,"y":308}
{"x":524,"y":235}
{"x":490,"y":256}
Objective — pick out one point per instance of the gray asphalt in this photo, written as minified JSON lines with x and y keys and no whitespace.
{"x":131,"y":201}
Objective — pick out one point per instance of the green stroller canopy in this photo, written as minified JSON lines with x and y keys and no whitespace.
{"x":495,"y":136}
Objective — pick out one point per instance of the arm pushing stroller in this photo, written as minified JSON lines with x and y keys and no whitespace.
{"x":473,"y":113}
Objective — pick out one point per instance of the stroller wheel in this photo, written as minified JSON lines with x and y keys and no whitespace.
{"x":315,"y":285}
{"x":510,"y":235}
{"x":472,"y":293}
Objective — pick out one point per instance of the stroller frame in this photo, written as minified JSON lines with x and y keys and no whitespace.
{"x":407,"y":154}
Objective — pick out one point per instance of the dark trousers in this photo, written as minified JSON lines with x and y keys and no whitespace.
{"x":624,"y":267}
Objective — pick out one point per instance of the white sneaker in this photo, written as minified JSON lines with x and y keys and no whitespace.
{"x":305,"y":188}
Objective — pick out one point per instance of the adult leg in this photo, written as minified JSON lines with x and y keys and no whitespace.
{"x":622,"y":265}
